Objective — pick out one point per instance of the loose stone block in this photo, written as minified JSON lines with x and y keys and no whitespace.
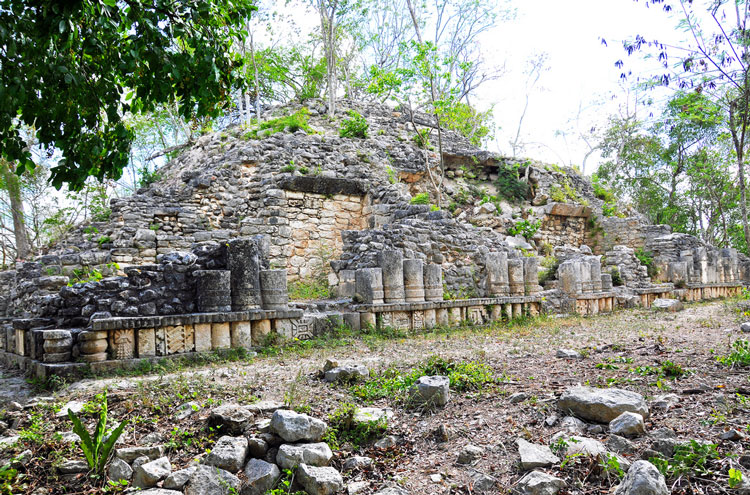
{"x":433,"y":282}
{"x":370,"y":285}
{"x":497,"y":274}
{"x":202,"y":333}
{"x":595,"y":267}
{"x":391,"y":262}
{"x":273,"y":289}
{"x":146,"y":343}
{"x":352,"y":321}
{"x":367,"y":320}
{"x":414,"y":280}
{"x":260,"y":329}
{"x":585,"y":272}
{"x":20,"y":342}
{"x":92,"y":344}
{"x":430,"y":318}
{"x":531,"y":275}
{"x":441,"y":315}
{"x":220,"y":336}
{"x":606,"y":282}
{"x":240,"y":333}
{"x":213,"y":290}
{"x":568,"y":276}
{"x":122,"y":343}
{"x":283,"y":328}
{"x":454,"y":316}
{"x":515,"y":277}
{"x":417,"y":320}
{"x":245,"y":263}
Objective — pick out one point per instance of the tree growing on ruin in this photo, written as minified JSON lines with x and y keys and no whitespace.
{"x":71,"y":70}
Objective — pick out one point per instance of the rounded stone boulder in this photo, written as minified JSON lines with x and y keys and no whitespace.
{"x":643,"y":479}
{"x":601,"y":405}
{"x":295,"y":427}
{"x":431,"y":390}
{"x":313,"y":454}
{"x":627,"y":424}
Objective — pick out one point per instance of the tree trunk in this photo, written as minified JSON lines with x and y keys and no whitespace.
{"x":257,"y":83}
{"x":739,"y":148}
{"x":13,"y":186}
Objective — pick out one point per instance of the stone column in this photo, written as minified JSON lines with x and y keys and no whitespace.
{"x":213,"y":291}
{"x":369,"y":282}
{"x":414,"y":280}
{"x":585,"y":271}
{"x":93,"y":346}
{"x":391,"y":261}
{"x":433,"y":282}
{"x":245,"y":265}
{"x":273,"y":291}
{"x":531,"y":275}
{"x":606,"y":282}
{"x":568,"y":277}
{"x":347,"y":284}
{"x":57,"y":346}
{"x":497,"y":274}
{"x":515,"y":276}
{"x":595,"y":265}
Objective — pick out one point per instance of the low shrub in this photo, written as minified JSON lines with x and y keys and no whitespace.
{"x":354,"y":127}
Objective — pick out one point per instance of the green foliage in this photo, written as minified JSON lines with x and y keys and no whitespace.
{"x":308,"y":289}
{"x":616,"y":277}
{"x":354,"y":127}
{"x":563,"y":192}
{"x":647,"y":259}
{"x":611,"y":465}
{"x":34,"y":433}
{"x":105,"y":239}
{"x":422,"y":139}
{"x":10,"y":479}
{"x":463,"y":375}
{"x":290,"y":123}
{"x":95,"y":449}
{"x":72,"y":71}
{"x":421,"y":199}
{"x":525,"y":228}
{"x":284,"y":485}
{"x":508,"y":183}
{"x":689,"y":460}
{"x":147,"y":177}
{"x":467,"y":121}
{"x":740,"y":355}
{"x":289,"y":168}
{"x":735,"y":478}
{"x":342,"y":428}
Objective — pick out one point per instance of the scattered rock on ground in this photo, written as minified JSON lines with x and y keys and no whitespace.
{"x":129,"y":454}
{"x":149,"y":474}
{"x":517,"y":397}
{"x":469,"y":454}
{"x":666,"y":401}
{"x":261,"y":477}
{"x":643,"y":479}
{"x":295,"y":427}
{"x":230,"y":418}
{"x":73,"y":466}
{"x":257,"y":447}
{"x":601,"y":405}
{"x":178,"y":479}
{"x":228,"y":453}
{"x":627,"y":424}
{"x":431,"y":391}
{"x":347,"y":373}
{"x":210,"y":480}
{"x":75,"y":405}
{"x":573,"y":425}
{"x":319,"y":480}
{"x":386,"y":442}
{"x":313,"y":454}
{"x":370,"y":414}
{"x":568,"y":354}
{"x":620,"y":445}
{"x":745,"y":327}
{"x":119,"y":470}
{"x":533,"y":456}
{"x":357,"y":462}
{"x":671,"y":305}
{"x":539,"y":483}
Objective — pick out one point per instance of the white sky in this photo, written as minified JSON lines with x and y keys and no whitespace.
{"x":581,"y":70}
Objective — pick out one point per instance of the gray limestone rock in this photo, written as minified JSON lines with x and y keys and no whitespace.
{"x":231,"y":419}
{"x":257,"y":447}
{"x":745,"y":327}
{"x":178,"y":479}
{"x":643,"y":479}
{"x":568,"y":354}
{"x":627,"y":424}
{"x":261,"y":477}
{"x":147,"y":475}
{"x":295,"y":427}
{"x":129,"y":454}
{"x":601,"y":405}
{"x":620,"y":445}
{"x":469,"y":454}
{"x":320,"y":480}
{"x":119,"y":470}
{"x":73,"y":466}
{"x":671,"y":305}
{"x":313,"y":454}
{"x":539,"y":483}
{"x":533,"y":455}
{"x":228,"y":453}
{"x":357,"y":462}
{"x":347,"y":373}
{"x":210,"y":480}
{"x":431,"y":391}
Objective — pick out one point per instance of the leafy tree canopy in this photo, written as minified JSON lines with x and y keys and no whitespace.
{"x":72,"y":70}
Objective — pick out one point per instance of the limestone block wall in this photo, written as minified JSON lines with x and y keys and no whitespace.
{"x":560,"y":230}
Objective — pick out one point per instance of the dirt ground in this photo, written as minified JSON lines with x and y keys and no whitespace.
{"x":622,"y":350}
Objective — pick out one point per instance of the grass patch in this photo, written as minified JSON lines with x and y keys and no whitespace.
{"x":290,"y":123}
{"x":313,"y":288}
{"x":393,"y":383}
{"x":342,"y":428}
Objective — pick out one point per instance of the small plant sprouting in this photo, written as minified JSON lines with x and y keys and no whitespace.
{"x":95,"y":449}
{"x":354,"y":127}
{"x":421,"y":199}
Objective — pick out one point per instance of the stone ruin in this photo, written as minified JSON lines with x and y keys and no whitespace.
{"x":201,"y":259}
